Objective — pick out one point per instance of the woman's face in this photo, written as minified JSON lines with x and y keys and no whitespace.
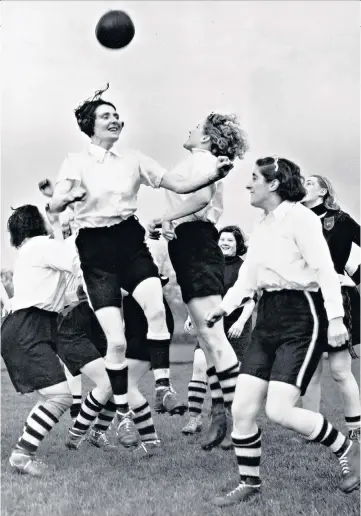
{"x":314,"y":191}
{"x":228,"y":244}
{"x":107,"y":126}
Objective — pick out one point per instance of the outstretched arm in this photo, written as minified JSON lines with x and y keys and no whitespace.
{"x":178,"y":182}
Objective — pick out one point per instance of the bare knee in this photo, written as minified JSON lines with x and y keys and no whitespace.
{"x":244,"y":411}
{"x":340,"y":375}
{"x":116,"y":346}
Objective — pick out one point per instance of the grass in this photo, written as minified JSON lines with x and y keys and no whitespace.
{"x":299,"y":479}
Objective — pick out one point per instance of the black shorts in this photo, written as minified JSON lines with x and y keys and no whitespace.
{"x":286,"y":343}
{"x":239,"y":344}
{"x":80,"y":338}
{"x":351,"y":305}
{"x":197,"y":260}
{"x":136,"y":329}
{"x":28,"y":347}
{"x":114,"y":257}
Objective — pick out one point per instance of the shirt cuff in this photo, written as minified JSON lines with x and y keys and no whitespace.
{"x":229,"y":305}
{"x":334,"y":310}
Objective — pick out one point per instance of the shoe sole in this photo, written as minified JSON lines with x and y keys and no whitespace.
{"x":177,"y":411}
{"x":245,"y":499}
{"x":352,"y":488}
{"x":192,"y":433}
{"x":216,"y":442}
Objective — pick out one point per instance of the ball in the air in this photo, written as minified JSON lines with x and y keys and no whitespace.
{"x":115,"y":29}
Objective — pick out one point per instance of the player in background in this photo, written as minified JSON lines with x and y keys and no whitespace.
{"x":340,"y":231}
{"x":29,"y":333}
{"x":237,"y":327}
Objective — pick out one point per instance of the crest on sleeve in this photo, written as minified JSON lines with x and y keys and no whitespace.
{"x":328,"y":223}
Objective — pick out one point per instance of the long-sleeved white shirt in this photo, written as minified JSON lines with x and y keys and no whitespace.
{"x":199,"y":162}
{"x":39,"y":274}
{"x":288,"y":251}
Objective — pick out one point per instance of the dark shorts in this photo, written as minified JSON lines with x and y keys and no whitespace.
{"x":351,"y":305}
{"x":197,"y":260}
{"x":239,"y":345}
{"x":114,"y":257}
{"x":28,"y":347}
{"x":80,"y":338}
{"x":286,"y":343}
{"x":136,"y":328}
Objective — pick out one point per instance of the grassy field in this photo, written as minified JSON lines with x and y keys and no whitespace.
{"x":299,"y":479}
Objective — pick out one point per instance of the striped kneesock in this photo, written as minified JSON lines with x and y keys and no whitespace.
{"x":105,"y":417}
{"x":215,"y":386}
{"x":144,"y":423}
{"x":326,"y":434}
{"x":75,"y":408}
{"x":353,"y":423}
{"x":38,"y":424}
{"x":89,"y":410}
{"x":248,"y":453}
{"x":118,"y":376}
{"x":228,"y":381}
{"x":196,"y":394}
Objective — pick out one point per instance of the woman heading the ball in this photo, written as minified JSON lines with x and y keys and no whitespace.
{"x":103,"y":185}
{"x":189,"y":226}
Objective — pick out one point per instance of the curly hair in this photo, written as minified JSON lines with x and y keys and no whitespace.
{"x":25,"y":222}
{"x":291,"y":183}
{"x":238,"y":234}
{"x":330,"y":199}
{"x":227,"y":137}
{"x":85,"y":113}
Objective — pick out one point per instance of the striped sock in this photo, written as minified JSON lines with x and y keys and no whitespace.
{"x":248,"y":453}
{"x":329,"y":436}
{"x":228,"y":380}
{"x":144,"y":422}
{"x":38,"y":424}
{"x":89,"y":410}
{"x":196,"y":394}
{"x":105,"y":417}
{"x":215,"y":386}
{"x":75,"y":408}
{"x":353,"y":423}
{"x":118,"y":376}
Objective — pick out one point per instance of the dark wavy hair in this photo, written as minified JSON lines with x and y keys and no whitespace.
{"x":238,"y":234}
{"x":85,"y":113}
{"x":25,"y":222}
{"x":227,"y":137}
{"x":291,"y":183}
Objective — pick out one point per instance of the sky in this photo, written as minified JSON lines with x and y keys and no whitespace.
{"x":289,"y":70}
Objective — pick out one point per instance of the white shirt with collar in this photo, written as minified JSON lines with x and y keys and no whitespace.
{"x":39,"y":274}
{"x":199,"y":162}
{"x":112,"y":181}
{"x":288,"y":251}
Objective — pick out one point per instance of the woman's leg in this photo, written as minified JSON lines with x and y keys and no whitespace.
{"x":197,"y":389}
{"x":55,"y":400}
{"x":142,"y":414}
{"x":246,"y":437}
{"x":93,"y":403}
{"x":340,"y":367}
